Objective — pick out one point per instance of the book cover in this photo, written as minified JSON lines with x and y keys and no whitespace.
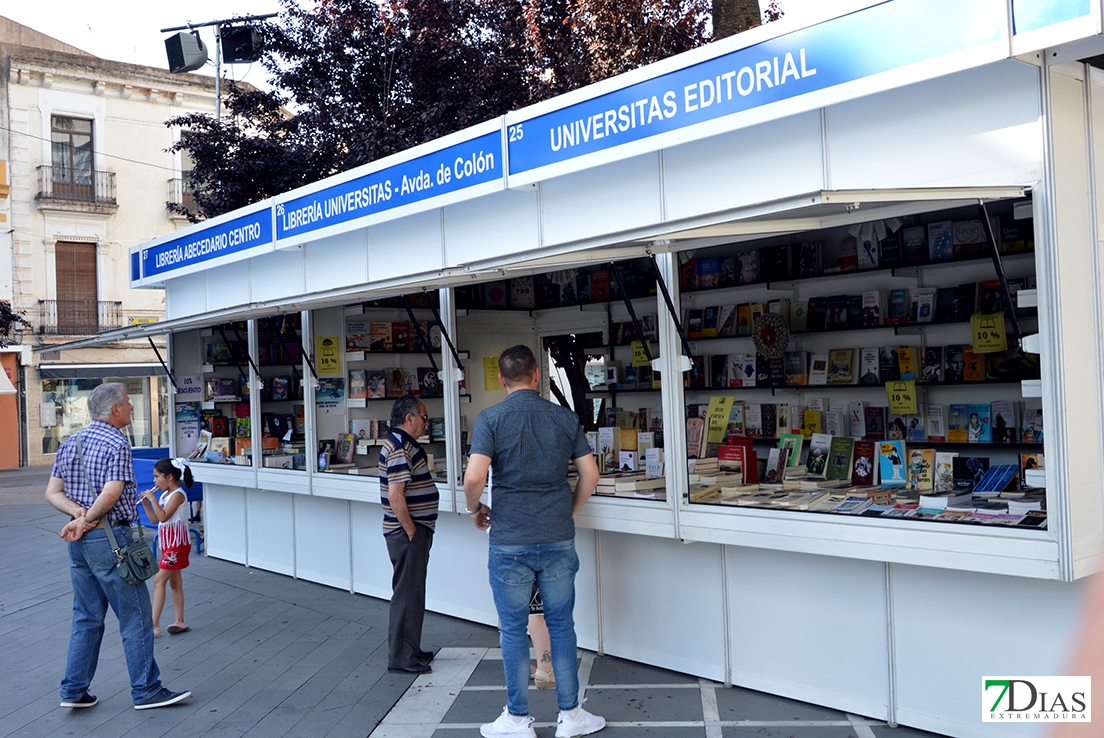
{"x":709,"y":273}
{"x":967,"y":300}
{"x":695,"y":437}
{"x":958,"y":420}
{"x":346,"y":445}
{"x":891,"y":463}
{"x":358,"y":336}
{"x":726,"y":321}
{"x":1032,"y":430}
{"x":946,"y":305}
{"x":807,"y":259}
{"x":841,"y":366}
{"x":747,"y":267}
{"x":816,"y":464}
{"x":837,"y":312}
{"x":896,"y":427}
{"x":921,"y":469}
{"x":599,"y":285}
{"x":818,"y":369}
{"x":728,"y":271}
{"x":694,"y":323}
{"x":908,"y":362}
{"x":931,"y":365}
{"x":774,"y":263}
{"x":914,"y":245}
{"x":940,"y":241}
{"x":863,"y":466}
{"x":710,"y":316}
{"x":840,"y":453}
{"x":967,"y":471}
{"x":935,"y":426}
{"x":944,"y":471}
{"x":887,"y":364}
{"x":217,"y":354}
{"x":381,"y":336}
{"x":358,"y":384}
{"x":1004,"y":426}
{"x":730,"y":458}
{"x":776,"y":464}
{"x":890,"y":249}
{"x":793,"y":367}
{"x":923,"y":301}
{"x":817,"y":317}
{"x":523,"y":295}
{"x":899,"y":307}
{"x":953,"y":364}
{"x":799,"y":315}
{"x":979,"y":427}
{"x":429,"y":383}
{"x":867,"y":249}
{"x":915,"y":426}
{"x":1015,"y":236}
{"x":876,"y":423}
{"x":968,"y":238}
{"x":873,"y":308}
{"x":856,"y":417}
{"x":990,"y":297}
{"x":869,"y":367}
{"x":793,"y":443}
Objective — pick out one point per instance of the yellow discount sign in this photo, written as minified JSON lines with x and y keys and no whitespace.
{"x":989,"y":335}
{"x":716,"y":417}
{"x":639,"y":357}
{"x":902,"y":397}
{"x":327,"y":352}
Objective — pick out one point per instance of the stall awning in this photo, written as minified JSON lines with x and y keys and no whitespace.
{"x":99,"y":371}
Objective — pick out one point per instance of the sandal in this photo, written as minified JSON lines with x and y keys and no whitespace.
{"x":177,"y":628}
{"x":156,"y":632}
{"x":544,"y":679}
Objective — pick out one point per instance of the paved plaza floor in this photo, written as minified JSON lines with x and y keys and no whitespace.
{"x":270,"y":656}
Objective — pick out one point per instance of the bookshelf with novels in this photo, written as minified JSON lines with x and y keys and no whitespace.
{"x":282,"y":371}
{"x":801,"y":345}
{"x":212,"y":398}
{"x":384,"y":354}
{"x":592,"y":356}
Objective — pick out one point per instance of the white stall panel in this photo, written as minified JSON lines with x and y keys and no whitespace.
{"x":586,"y":589}
{"x":811,"y":628}
{"x":322,"y":541}
{"x":409,"y":245}
{"x":457,"y":583}
{"x":271,"y":531}
{"x":228,"y":285}
{"x":944,"y":624}
{"x":371,"y":565}
{"x":662,"y":603}
{"x":224,"y":522}
{"x":337,"y":261}
{"x":753,"y":165}
{"x":278,"y":274}
{"x":186,"y":296}
{"x":603,"y":200}
{"x":979,"y":127}
{"x":498,"y":224}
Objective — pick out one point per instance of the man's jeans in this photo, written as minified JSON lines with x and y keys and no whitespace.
{"x":97,"y":584}
{"x":512,"y":571}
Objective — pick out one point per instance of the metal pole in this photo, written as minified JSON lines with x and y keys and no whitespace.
{"x":218,"y":73}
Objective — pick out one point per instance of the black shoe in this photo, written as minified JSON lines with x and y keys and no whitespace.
{"x":87,"y":700}
{"x":416,"y":669}
{"x":425,"y":656}
{"x":161,"y":698}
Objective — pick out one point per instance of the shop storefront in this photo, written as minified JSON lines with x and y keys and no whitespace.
{"x":781,"y":233}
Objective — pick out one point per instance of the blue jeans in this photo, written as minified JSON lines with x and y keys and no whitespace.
{"x":512,"y":572}
{"x":97,"y":584}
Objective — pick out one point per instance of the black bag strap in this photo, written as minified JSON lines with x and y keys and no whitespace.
{"x":105,"y":521}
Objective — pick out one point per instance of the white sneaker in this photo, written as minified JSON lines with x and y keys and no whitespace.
{"x":505,"y":725}
{"x":582,"y":724}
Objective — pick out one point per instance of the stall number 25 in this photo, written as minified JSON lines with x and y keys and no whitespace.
{"x":515,"y":132}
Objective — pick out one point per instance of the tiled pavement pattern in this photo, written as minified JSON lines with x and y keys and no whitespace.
{"x":271,"y":656}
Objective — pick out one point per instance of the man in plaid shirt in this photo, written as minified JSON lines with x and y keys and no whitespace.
{"x":108,"y":496}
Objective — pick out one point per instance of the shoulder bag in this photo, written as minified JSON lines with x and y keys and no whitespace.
{"x":135,"y":560}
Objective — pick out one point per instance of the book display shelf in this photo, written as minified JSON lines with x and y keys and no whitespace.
{"x":212,"y":401}
{"x":281,"y":372}
{"x":388,"y":348}
{"x":588,"y":339}
{"x":857,"y":371}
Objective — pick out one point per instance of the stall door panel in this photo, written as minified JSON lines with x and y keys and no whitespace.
{"x":603,"y":200}
{"x":495,"y":225}
{"x":753,"y":165}
{"x":322,"y":546}
{"x":270,"y":530}
{"x":278,"y":274}
{"x":662,"y":603}
{"x":979,"y":127}
{"x":224,"y":522}
{"x":410,"y":245}
{"x":337,"y":261}
{"x":811,"y":628}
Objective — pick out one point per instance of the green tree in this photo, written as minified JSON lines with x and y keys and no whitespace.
{"x":10,"y":322}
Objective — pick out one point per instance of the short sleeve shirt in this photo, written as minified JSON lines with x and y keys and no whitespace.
{"x":402,"y":460}
{"x":107,"y":457}
{"x":530,"y":442}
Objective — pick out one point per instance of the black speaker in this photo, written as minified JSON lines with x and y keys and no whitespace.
{"x":240,"y":44}
{"x":186,"y":52}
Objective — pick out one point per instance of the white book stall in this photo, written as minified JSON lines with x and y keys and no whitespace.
{"x":757,"y":271}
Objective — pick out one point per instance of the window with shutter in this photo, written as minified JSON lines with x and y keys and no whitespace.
{"x":75,"y":265}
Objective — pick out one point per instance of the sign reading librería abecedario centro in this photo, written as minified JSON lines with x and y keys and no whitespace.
{"x":201,"y":246}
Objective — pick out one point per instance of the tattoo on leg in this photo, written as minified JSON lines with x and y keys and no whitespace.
{"x":546,"y":657}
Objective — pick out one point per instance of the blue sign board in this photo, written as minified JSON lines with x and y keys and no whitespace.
{"x":224,"y":239}
{"x":1031,"y":15}
{"x":463,"y":165}
{"x":135,"y":266}
{"x":874,"y":40}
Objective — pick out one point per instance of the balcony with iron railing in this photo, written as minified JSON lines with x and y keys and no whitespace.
{"x":70,"y":185}
{"x":182,"y":193}
{"x":77,"y":317}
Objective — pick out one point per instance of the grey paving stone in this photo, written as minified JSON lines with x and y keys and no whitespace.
{"x":746,"y":704}
{"x":483,"y":706}
{"x":608,"y":670}
{"x":796,"y":731}
{"x":884,"y":731}
{"x":645,"y":703}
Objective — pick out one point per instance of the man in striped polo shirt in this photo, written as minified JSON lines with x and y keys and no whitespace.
{"x":409,"y":499}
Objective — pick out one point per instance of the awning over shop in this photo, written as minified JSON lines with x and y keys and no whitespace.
{"x":99,"y":371}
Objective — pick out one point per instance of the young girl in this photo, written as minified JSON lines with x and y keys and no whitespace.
{"x":171,"y":514}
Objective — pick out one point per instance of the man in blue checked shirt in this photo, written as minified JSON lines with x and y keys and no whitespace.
{"x":108,"y":496}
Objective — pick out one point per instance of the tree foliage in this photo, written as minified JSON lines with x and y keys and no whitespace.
{"x":369,"y":78}
{"x":11,"y":321}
